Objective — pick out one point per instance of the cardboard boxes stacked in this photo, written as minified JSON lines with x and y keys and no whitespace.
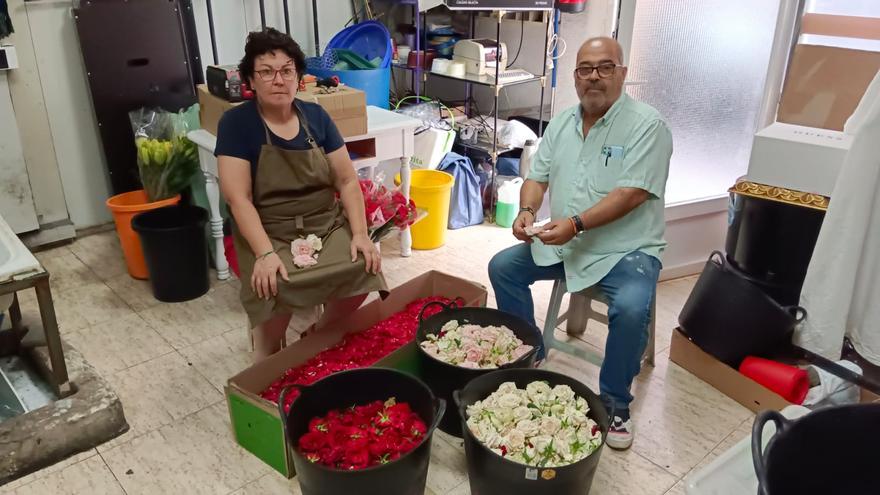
{"x":256,"y":422}
{"x":346,"y":106}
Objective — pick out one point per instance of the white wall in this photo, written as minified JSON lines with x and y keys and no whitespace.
{"x":233,"y":19}
{"x":74,"y":130}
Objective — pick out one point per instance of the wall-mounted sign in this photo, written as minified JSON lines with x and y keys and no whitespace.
{"x":500,"y":4}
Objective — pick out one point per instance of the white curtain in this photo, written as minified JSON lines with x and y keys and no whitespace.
{"x":842,"y":290}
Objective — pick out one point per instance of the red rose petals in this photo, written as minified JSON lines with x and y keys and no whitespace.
{"x":356,"y":350}
{"x":362,"y":436}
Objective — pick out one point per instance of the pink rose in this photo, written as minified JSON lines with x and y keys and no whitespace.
{"x":304,"y":260}
{"x":474,"y":355}
{"x":301,"y":247}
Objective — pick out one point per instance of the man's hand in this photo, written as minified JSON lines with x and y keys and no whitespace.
{"x":523,"y":220}
{"x":557,"y":232}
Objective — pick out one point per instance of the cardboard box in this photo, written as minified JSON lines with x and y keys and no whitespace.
{"x":347,"y":107}
{"x":256,"y":422}
{"x":727,"y":380}
{"x":825,"y":84}
{"x":211,"y":108}
{"x":799,"y":158}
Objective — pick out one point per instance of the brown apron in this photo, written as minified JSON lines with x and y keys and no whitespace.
{"x":294,"y":194}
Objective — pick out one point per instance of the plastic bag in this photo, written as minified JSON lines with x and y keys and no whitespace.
{"x":167,"y":160}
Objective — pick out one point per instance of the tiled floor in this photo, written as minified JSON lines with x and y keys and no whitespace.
{"x":168,"y":363}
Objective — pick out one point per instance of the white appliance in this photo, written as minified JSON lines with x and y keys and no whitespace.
{"x":481,"y":56}
{"x":796,"y":157}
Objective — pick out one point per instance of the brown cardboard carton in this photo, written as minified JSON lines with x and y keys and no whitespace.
{"x":211,"y":108}
{"x":347,"y":108}
{"x":825,"y":84}
{"x":727,"y":380}
{"x":256,"y":422}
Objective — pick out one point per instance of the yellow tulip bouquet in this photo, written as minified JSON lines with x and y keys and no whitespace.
{"x":167,"y":160}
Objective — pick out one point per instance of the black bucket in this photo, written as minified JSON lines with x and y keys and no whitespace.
{"x":831,"y":450}
{"x":445,"y":378}
{"x":491,"y":474}
{"x":173,"y":240}
{"x":731,"y":318}
{"x":405,"y":476}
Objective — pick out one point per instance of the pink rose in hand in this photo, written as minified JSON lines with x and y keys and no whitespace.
{"x":301,"y":247}
{"x":304,"y":260}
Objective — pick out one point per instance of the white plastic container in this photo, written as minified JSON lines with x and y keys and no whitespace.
{"x":528,"y":154}
{"x":507,"y":206}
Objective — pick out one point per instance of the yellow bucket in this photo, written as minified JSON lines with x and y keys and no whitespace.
{"x":430,"y":190}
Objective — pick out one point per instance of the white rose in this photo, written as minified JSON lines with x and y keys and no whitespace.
{"x":449,"y":326}
{"x":582,"y":405}
{"x":521,"y":413}
{"x":504,"y":416}
{"x":493,"y":440}
{"x":515,"y":440}
{"x":542,"y":443}
{"x":549,"y":425}
{"x":563,"y":392}
{"x":557,"y":409}
{"x":577,"y":418}
{"x":529,"y":427}
{"x":538,"y":387}
{"x":509,"y":400}
{"x":507,"y":388}
{"x":315,"y":242}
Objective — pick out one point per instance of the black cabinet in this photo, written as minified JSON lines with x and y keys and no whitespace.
{"x":137,"y":53}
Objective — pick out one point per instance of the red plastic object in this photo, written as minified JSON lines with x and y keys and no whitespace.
{"x":231,"y":256}
{"x":791,"y":382}
{"x":571,"y":6}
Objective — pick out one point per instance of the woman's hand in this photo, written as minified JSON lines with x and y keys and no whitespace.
{"x":373,"y":260}
{"x":264,"y":281}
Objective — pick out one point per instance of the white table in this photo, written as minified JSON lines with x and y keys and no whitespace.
{"x":389,"y":136}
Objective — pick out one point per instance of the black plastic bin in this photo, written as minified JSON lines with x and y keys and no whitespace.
{"x":445,"y":378}
{"x":405,"y":476}
{"x":173,"y":240}
{"x":491,"y":474}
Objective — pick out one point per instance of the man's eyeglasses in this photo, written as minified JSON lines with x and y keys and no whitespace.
{"x":604,"y":70}
{"x":268,"y":75}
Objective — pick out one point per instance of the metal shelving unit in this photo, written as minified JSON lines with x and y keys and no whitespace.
{"x":420,"y":77}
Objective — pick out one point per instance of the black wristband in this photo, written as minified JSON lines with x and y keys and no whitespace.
{"x":528,"y":209}
{"x":578,"y":223}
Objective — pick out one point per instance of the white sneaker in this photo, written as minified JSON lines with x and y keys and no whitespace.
{"x":621,"y":433}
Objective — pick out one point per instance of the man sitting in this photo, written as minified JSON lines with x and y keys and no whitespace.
{"x":606,"y":161}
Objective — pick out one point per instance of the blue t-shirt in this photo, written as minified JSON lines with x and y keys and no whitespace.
{"x":241,"y":134}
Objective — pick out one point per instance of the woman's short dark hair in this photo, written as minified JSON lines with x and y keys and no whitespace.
{"x":267,"y":41}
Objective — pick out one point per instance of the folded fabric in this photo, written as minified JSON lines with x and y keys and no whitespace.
{"x":832,"y":390}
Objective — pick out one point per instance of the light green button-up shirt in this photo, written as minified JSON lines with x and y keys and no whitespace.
{"x":628,"y":147}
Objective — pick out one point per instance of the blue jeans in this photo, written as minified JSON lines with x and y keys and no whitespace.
{"x":630,"y":288}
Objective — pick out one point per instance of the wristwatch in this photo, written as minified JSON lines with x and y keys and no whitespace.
{"x":528,"y":209}
{"x":578,"y":223}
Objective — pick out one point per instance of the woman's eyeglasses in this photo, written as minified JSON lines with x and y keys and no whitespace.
{"x":604,"y":70}
{"x":268,"y":75}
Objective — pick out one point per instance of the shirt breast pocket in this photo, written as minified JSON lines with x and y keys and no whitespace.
{"x":606,"y":174}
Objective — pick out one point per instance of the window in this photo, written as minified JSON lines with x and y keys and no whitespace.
{"x":702,"y":64}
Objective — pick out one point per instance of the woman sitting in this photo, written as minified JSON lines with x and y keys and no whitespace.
{"x":282,"y":162}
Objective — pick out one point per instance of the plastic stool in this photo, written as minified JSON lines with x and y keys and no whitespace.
{"x":580,"y":310}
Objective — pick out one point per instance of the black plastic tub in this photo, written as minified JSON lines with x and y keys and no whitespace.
{"x":445,"y":378}
{"x":491,"y":474}
{"x":831,"y":450}
{"x":731,"y":318}
{"x":175,"y":250}
{"x":405,"y":476}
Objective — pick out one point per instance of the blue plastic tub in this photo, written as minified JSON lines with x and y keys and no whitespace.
{"x":376,"y":83}
{"x":369,"y":39}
